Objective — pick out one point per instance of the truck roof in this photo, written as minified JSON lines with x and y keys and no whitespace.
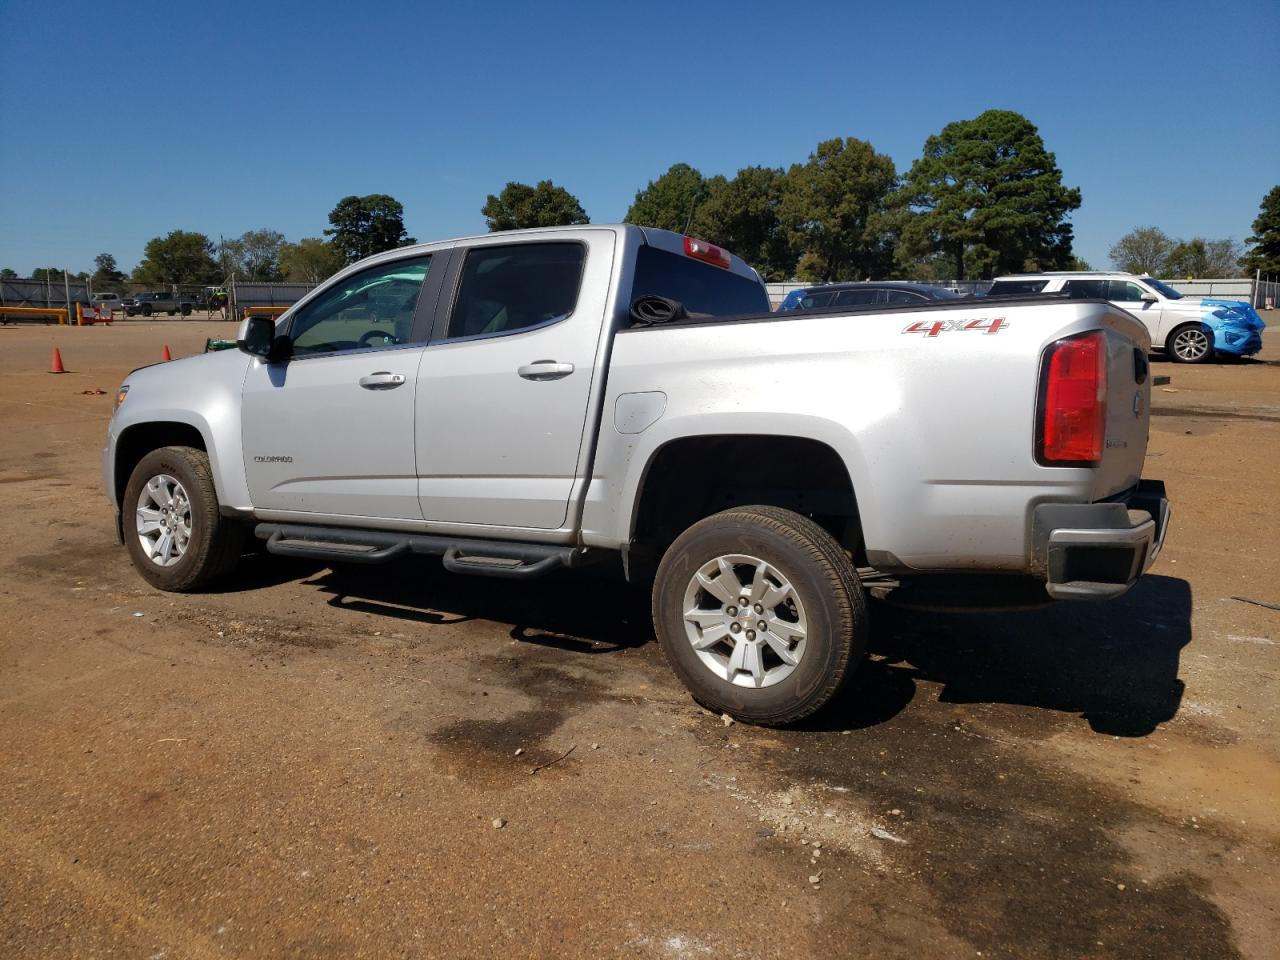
{"x":667,"y":240}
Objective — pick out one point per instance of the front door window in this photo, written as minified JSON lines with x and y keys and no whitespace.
{"x":372,"y":308}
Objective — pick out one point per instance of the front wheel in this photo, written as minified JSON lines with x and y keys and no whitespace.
{"x":176,"y":537}
{"x":760,"y":613}
{"x":1191,"y":343}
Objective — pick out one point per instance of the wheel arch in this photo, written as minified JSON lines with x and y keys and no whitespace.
{"x":139,"y":439}
{"x":689,"y":477}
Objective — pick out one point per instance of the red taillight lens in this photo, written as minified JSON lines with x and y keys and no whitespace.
{"x":706,"y":252}
{"x":1073,"y":402}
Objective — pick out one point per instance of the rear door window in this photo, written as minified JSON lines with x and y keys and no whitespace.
{"x":1008,"y":288}
{"x":1086,"y":289}
{"x":858,"y":298}
{"x":903,"y":296}
{"x":514,"y":287}
{"x":705,"y":290}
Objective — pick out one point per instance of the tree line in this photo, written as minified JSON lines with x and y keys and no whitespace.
{"x":985,"y":197}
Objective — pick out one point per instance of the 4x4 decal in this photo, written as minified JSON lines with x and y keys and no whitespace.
{"x":931,"y":328}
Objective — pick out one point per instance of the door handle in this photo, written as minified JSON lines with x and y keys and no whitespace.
{"x":545,"y":370}
{"x":382,"y":380}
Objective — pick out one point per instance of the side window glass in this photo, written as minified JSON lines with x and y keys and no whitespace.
{"x":855,"y":298}
{"x":372,"y":308}
{"x":903,"y":296}
{"x":815,"y":300}
{"x":1086,"y":289}
{"x":1123,"y":290}
{"x":517,"y":286}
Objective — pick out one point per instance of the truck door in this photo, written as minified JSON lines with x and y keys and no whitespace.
{"x":330,"y":431}
{"x":504,"y":387}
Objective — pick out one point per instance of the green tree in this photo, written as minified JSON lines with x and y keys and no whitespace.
{"x":989,"y":195}
{"x":310,"y":260}
{"x":835,"y":214}
{"x":1264,"y":253}
{"x":1198,"y":257}
{"x":181,"y":256}
{"x":8,"y":273}
{"x":254,"y":255}
{"x":106,"y":276}
{"x":363,"y":226}
{"x":55,"y":274}
{"x":519,"y":206}
{"x":1142,"y":250}
{"x":742,"y":215}
{"x":669,"y":202}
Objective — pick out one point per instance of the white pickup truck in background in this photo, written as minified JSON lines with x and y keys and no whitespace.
{"x":519,"y":403}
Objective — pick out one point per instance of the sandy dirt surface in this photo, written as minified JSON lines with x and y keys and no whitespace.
{"x":310,"y":762}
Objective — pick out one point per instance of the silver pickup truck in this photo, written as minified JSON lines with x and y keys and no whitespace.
{"x":522,"y":402}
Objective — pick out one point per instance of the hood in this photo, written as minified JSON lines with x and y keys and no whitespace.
{"x":1235,"y":312}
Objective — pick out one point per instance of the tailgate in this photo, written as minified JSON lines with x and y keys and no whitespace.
{"x":1128,"y":409}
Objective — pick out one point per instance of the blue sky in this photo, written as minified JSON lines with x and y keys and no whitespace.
{"x":122,"y":121}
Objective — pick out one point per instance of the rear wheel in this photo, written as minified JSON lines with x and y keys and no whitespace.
{"x":760,"y":613}
{"x":186,"y":309}
{"x":1191,"y":343}
{"x":173,"y":530}
{"x":146,"y":309}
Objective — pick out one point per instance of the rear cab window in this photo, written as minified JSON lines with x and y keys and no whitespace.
{"x":704,"y":290}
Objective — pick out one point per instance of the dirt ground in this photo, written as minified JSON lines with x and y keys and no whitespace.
{"x":311,"y":762}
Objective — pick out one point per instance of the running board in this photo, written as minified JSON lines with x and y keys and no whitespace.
{"x":486,"y":558}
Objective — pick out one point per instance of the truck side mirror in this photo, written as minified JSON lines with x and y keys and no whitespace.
{"x":260,"y":339}
{"x":1150,"y":298}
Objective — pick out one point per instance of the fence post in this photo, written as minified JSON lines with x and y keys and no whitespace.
{"x":66,"y":292}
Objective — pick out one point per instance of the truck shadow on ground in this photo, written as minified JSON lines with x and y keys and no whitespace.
{"x":1114,"y":664}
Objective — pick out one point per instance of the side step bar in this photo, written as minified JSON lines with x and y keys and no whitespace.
{"x":487,"y":558}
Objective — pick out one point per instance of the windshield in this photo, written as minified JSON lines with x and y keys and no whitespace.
{"x":1164,"y":288}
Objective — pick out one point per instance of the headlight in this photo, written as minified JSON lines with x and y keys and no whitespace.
{"x":120,"y":395}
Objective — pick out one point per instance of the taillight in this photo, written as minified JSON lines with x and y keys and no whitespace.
{"x":1072,"y":419}
{"x":706,"y":252}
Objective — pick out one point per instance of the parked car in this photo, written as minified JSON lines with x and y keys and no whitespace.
{"x":531,"y":401}
{"x":148,"y":303}
{"x":111,"y":301}
{"x":1188,"y":329}
{"x":869,"y":293}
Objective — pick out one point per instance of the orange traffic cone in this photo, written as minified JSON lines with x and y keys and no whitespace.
{"x":57,"y":366}
{"x":167,"y":354}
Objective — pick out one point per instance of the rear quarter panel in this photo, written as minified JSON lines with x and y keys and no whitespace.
{"x":937,"y":432}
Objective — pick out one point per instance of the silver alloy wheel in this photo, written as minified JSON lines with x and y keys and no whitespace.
{"x":163,"y":520}
{"x":745,"y":620}
{"x":1191,"y":344}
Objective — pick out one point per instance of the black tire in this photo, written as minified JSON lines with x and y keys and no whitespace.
{"x":824,"y":579}
{"x":215,"y":542}
{"x":186,"y":309}
{"x":146,"y":309}
{"x":1185,"y":343}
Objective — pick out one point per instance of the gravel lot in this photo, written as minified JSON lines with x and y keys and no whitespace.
{"x":394,"y":762}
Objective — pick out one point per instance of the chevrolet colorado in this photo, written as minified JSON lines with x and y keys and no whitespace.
{"x":529,"y":401}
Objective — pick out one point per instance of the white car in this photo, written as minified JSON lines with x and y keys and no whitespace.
{"x":1188,"y":329}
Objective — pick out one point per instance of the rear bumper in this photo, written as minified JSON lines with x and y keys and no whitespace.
{"x":1097,"y":551}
